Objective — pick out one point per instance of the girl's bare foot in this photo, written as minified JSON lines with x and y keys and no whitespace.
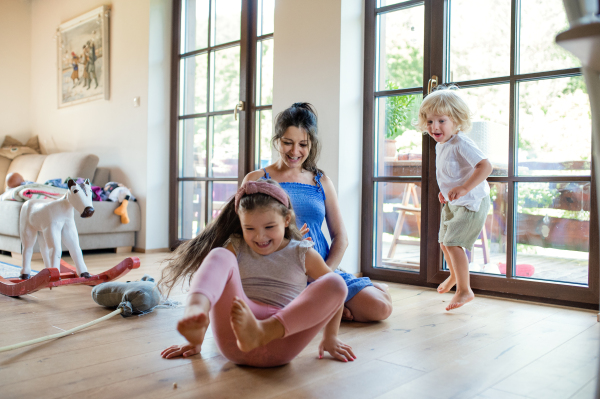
{"x":252,"y":333}
{"x":460,"y":298}
{"x":194,"y":324}
{"x":447,"y":285}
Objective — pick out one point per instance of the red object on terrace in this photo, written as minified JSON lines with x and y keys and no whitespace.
{"x":67,"y":275}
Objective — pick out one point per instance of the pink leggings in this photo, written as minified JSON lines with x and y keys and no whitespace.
{"x":218,"y":278}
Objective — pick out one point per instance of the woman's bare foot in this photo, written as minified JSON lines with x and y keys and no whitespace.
{"x":250,"y":332}
{"x":347,"y":314}
{"x":447,"y":285}
{"x":460,"y":298}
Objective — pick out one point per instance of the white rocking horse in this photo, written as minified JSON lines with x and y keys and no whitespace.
{"x":53,"y":220}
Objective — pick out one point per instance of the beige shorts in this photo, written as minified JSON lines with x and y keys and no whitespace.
{"x":461,"y":227}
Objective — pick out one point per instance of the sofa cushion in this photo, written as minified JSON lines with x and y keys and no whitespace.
{"x":68,"y":164}
{"x":4,"y":164}
{"x":9,"y":217}
{"x":27,"y":166}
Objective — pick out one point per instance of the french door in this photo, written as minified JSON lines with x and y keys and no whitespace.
{"x":221,"y":98}
{"x":531,"y":116}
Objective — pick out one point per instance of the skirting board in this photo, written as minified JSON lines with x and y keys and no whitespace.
{"x":150,"y":251}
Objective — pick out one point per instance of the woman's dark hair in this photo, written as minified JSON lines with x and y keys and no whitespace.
{"x":304,"y":117}
{"x":188,"y":257}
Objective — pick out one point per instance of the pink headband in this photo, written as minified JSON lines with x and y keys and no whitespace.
{"x":253,"y":187}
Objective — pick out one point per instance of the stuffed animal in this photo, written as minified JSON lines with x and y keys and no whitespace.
{"x":119,"y":193}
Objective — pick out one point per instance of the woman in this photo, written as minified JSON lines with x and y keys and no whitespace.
{"x":314,"y":199}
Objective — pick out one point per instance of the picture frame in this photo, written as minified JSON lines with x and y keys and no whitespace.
{"x":83,"y":58}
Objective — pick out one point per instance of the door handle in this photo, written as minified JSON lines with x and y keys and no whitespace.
{"x":238,"y":108}
{"x":432,"y":84}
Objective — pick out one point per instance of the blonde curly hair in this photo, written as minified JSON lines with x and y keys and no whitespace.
{"x":445,"y":101}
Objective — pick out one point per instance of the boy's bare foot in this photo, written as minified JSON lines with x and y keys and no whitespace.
{"x":193,"y":325}
{"x":460,"y":298}
{"x":252,"y":333}
{"x":446,"y":285}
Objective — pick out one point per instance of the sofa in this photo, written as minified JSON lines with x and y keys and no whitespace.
{"x":103,"y":230}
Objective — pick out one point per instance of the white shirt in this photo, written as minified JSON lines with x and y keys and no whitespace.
{"x":455,"y":162}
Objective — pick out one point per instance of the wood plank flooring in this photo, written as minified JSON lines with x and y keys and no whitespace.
{"x":491,"y":348}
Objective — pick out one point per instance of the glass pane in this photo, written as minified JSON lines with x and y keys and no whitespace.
{"x":192,"y":147}
{"x":400,"y":45}
{"x":224,"y":132}
{"x":226,"y":21}
{"x":479,"y":39}
{"x":555,"y":128}
{"x":399,"y":144}
{"x":489,"y":252}
{"x":490,"y":111}
{"x":266,"y":17}
{"x":191,"y":214}
{"x":193,"y":81}
{"x":383,"y":3}
{"x":225,"y":78}
{"x":264,"y":72}
{"x":397,"y":226}
{"x":552,"y":231}
{"x":541,"y":21}
{"x":194,"y":25}
{"x":264,"y":132}
{"x":221,"y":193}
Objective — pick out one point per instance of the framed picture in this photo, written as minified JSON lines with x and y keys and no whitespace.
{"x":83,"y":58}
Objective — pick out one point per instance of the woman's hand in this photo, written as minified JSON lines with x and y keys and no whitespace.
{"x":336,"y":348}
{"x":185,"y":350}
{"x":304,"y":231}
{"x":441,"y":198}
{"x":457,"y":192}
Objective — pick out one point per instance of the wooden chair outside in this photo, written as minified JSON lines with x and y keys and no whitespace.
{"x":403,"y":209}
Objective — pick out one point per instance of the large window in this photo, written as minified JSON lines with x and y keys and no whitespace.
{"x":531,"y":117}
{"x":221,"y":104}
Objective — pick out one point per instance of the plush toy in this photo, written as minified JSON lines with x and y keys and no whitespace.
{"x":119,"y":193}
{"x":134,"y":297}
{"x":13,"y":180}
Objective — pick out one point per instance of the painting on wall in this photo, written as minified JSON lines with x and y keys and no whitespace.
{"x":83,"y":58}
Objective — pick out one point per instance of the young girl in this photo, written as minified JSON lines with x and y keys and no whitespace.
{"x":254,"y":290}
{"x":461,"y":170}
{"x":314,"y":198}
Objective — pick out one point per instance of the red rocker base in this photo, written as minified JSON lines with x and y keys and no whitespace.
{"x":67,"y":275}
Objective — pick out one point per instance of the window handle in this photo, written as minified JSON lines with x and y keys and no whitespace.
{"x":433,"y":82}
{"x":238,"y":108}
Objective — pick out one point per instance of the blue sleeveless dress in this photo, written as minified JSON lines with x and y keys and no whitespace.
{"x":309,"y":205}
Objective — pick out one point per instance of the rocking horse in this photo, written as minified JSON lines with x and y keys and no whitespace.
{"x":49,"y":221}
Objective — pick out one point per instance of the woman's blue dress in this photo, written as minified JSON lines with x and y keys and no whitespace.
{"x":309,"y":206}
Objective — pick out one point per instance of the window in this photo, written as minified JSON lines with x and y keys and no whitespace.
{"x":223,"y":82}
{"x":531,"y":117}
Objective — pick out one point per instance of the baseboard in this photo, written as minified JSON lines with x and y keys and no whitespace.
{"x":150,"y":251}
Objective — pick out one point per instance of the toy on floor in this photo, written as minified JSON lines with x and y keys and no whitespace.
{"x":55,"y":219}
{"x":523,"y":270}
{"x":119,"y":193}
{"x":130,"y":298}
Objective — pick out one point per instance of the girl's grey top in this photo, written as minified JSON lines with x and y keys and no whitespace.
{"x":275,"y":279}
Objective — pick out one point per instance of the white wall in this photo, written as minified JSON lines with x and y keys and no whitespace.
{"x":131,"y":141}
{"x":319,"y":59}
{"x":15,"y":68}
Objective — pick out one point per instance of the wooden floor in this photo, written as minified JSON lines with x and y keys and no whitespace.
{"x":491,"y":348}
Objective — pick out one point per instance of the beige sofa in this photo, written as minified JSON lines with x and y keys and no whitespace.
{"x":103,"y":230}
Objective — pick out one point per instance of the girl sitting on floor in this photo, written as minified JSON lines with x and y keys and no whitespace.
{"x":254,"y":290}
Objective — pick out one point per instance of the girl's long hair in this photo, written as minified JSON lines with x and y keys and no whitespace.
{"x":304,"y":117}
{"x":188,"y":257}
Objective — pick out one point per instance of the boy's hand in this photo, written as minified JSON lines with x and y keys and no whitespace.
{"x":185,"y":350}
{"x":441,"y":198}
{"x":336,"y":348}
{"x":457,"y":192}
